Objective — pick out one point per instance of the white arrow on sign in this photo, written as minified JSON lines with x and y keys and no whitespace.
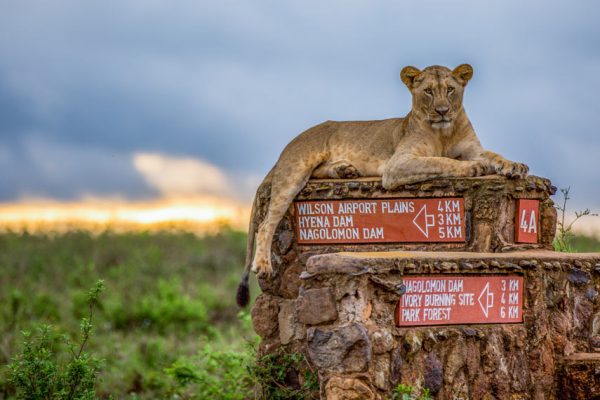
{"x":424,"y":228}
{"x":488,"y":299}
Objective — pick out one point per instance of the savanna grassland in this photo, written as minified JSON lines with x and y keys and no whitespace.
{"x":165,"y":326}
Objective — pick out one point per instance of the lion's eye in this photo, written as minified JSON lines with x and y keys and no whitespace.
{"x":450,"y":89}
{"x":428,"y":91}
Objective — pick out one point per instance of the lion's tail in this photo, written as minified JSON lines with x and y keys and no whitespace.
{"x":243,"y":290}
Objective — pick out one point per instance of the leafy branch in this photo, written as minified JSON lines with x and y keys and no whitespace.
{"x":562,"y":241}
{"x":38,"y":373}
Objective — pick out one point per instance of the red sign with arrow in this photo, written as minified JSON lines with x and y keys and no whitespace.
{"x":380,"y":221}
{"x":447,"y":300}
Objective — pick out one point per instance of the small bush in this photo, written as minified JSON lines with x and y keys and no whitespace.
{"x":51,"y":366}
{"x":407,"y":392}
{"x":564,"y":235}
{"x":285,"y":376}
{"x":232,"y":375}
{"x":212,"y":374}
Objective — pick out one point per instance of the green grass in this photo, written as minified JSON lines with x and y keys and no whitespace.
{"x":585,"y":244}
{"x":168,"y":296}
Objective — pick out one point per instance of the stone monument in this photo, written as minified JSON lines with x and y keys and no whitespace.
{"x":449,"y":284}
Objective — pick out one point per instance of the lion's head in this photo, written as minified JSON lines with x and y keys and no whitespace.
{"x":437,"y":92}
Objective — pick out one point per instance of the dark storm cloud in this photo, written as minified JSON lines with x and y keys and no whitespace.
{"x":36,"y":168}
{"x":233,"y":82}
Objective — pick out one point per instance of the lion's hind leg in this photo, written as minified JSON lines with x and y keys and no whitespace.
{"x":287,"y":182}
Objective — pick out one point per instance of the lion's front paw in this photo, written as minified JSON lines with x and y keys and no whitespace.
{"x":346,"y":171}
{"x":478,"y":168}
{"x":512,"y":169}
{"x":262,"y":266}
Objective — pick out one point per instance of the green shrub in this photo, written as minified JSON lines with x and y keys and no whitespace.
{"x":285,"y":376}
{"x":213,"y":374}
{"x":233,"y":375}
{"x":51,"y":366}
{"x":407,"y":392}
{"x":564,"y":232}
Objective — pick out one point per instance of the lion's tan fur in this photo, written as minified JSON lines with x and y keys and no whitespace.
{"x":434,"y":140}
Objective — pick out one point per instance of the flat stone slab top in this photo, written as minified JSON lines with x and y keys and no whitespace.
{"x":583,"y":358}
{"x":580,"y":378}
{"x":444,"y":261}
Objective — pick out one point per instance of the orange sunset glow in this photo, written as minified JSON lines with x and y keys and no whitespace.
{"x":197,"y":214}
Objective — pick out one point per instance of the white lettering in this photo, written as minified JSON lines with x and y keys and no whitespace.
{"x":425,"y":286}
{"x":532,"y":223}
{"x":373,"y":233}
{"x":438,"y":300}
{"x":397,"y":207}
{"x":410,"y":314}
{"x":355,"y":207}
{"x":466,"y":299}
{"x":315,"y":208}
{"x":455,"y":285}
{"x":342,"y":220}
{"x":436,"y":314}
{"x":411,"y":300}
{"x":329,"y":234}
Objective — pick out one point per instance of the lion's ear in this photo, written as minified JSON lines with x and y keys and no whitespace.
{"x":463,"y":73}
{"x":408,"y":75}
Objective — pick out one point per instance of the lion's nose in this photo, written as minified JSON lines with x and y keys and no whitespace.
{"x":441,"y":110}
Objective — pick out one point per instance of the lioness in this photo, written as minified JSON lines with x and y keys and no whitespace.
{"x":434,"y":140}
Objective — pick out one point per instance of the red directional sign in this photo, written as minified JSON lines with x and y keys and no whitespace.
{"x":448,"y":300}
{"x":527,"y":221}
{"x":380,"y":221}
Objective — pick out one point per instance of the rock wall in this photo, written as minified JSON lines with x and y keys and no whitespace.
{"x":487,"y":361}
{"x":336,"y":303}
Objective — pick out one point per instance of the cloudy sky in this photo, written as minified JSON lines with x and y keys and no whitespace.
{"x":140,"y":99}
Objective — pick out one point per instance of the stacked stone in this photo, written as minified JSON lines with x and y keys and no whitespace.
{"x":336,"y":303}
{"x":560,"y":317}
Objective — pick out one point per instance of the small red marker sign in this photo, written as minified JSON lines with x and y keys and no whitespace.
{"x":527,"y":221}
{"x":449,"y":300}
{"x":380,"y":221}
